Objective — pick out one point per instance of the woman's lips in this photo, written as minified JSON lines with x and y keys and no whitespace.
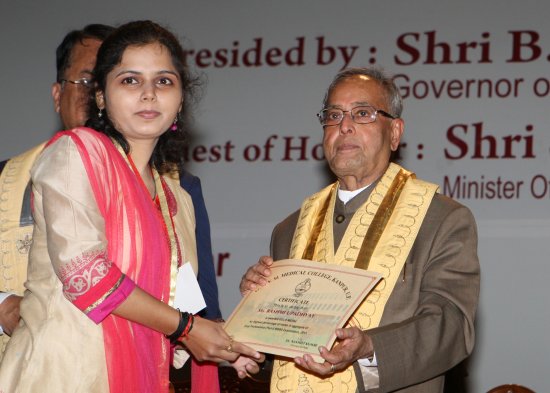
{"x":148,"y":114}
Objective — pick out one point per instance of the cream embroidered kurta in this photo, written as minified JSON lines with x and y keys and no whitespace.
{"x":57,"y":348}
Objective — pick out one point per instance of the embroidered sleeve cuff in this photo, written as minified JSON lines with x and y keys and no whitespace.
{"x":105,"y":295}
{"x":112,"y":301}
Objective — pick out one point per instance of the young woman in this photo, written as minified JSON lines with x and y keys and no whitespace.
{"x":112,"y":227}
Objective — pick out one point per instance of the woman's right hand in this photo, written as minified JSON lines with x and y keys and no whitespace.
{"x":208,"y":341}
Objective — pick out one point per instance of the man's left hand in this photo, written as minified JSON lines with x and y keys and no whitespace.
{"x":352,"y":344}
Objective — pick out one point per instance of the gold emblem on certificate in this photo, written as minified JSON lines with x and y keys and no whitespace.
{"x":299,"y":309}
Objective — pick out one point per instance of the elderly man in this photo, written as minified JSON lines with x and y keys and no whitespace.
{"x":419,"y":321}
{"x":75,"y":60}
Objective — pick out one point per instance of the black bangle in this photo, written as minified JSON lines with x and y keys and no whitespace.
{"x":184,"y":319}
{"x":186,"y":333}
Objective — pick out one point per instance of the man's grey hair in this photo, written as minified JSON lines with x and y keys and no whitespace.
{"x":394,"y":100}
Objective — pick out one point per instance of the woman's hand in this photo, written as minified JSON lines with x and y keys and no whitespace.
{"x":208,"y":341}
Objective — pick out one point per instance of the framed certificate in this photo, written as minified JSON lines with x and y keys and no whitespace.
{"x":299,"y":309}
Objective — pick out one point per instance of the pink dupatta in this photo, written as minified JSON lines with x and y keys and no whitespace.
{"x":137,"y":357}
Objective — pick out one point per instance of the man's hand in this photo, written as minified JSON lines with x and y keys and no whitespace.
{"x":9,"y":313}
{"x":352,"y":344}
{"x":256,"y":275}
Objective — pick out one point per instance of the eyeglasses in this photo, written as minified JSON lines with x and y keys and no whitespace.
{"x":364,"y":114}
{"x":88,"y":83}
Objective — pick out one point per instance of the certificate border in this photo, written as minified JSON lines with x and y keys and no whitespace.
{"x":337,"y":271}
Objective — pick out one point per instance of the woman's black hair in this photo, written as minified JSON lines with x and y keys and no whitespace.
{"x":168,"y":153}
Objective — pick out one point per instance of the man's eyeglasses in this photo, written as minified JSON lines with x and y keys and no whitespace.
{"x":88,"y":83}
{"x":364,"y":114}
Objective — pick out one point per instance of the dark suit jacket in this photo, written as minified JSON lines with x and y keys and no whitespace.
{"x":207,"y":275}
{"x":428,"y":323}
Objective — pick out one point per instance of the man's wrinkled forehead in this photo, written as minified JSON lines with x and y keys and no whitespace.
{"x":365,"y":83}
{"x":355,"y":77}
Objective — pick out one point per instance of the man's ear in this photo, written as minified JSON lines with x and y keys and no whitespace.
{"x":56,"y":95}
{"x":100,"y":99}
{"x":397,"y":128}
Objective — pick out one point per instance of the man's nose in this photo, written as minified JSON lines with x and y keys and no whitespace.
{"x":347,"y":125}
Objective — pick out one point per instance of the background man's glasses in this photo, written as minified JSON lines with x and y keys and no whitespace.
{"x":88,"y":83}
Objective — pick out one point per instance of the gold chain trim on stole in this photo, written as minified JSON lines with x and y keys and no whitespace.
{"x":381,"y":218}
{"x":310,"y":248}
{"x":171,"y":231}
{"x":309,"y":208}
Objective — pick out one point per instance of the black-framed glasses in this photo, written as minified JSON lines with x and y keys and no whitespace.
{"x":363,"y":114}
{"x":88,"y":83}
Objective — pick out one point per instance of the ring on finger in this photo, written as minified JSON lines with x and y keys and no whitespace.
{"x":230,"y":346}
{"x":332,"y":369}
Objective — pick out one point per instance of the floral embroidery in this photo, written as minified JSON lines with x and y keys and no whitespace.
{"x":83,"y":272}
{"x":24,"y":245}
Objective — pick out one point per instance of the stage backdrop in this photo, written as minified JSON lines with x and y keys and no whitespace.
{"x":476,"y":82}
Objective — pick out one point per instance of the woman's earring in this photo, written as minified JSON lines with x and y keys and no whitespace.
{"x":100,"y":113}
{"x":174,"y":126}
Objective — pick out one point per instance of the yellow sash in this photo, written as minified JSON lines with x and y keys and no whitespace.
{"x":379,"y":237}
{"x":15,"y":240}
